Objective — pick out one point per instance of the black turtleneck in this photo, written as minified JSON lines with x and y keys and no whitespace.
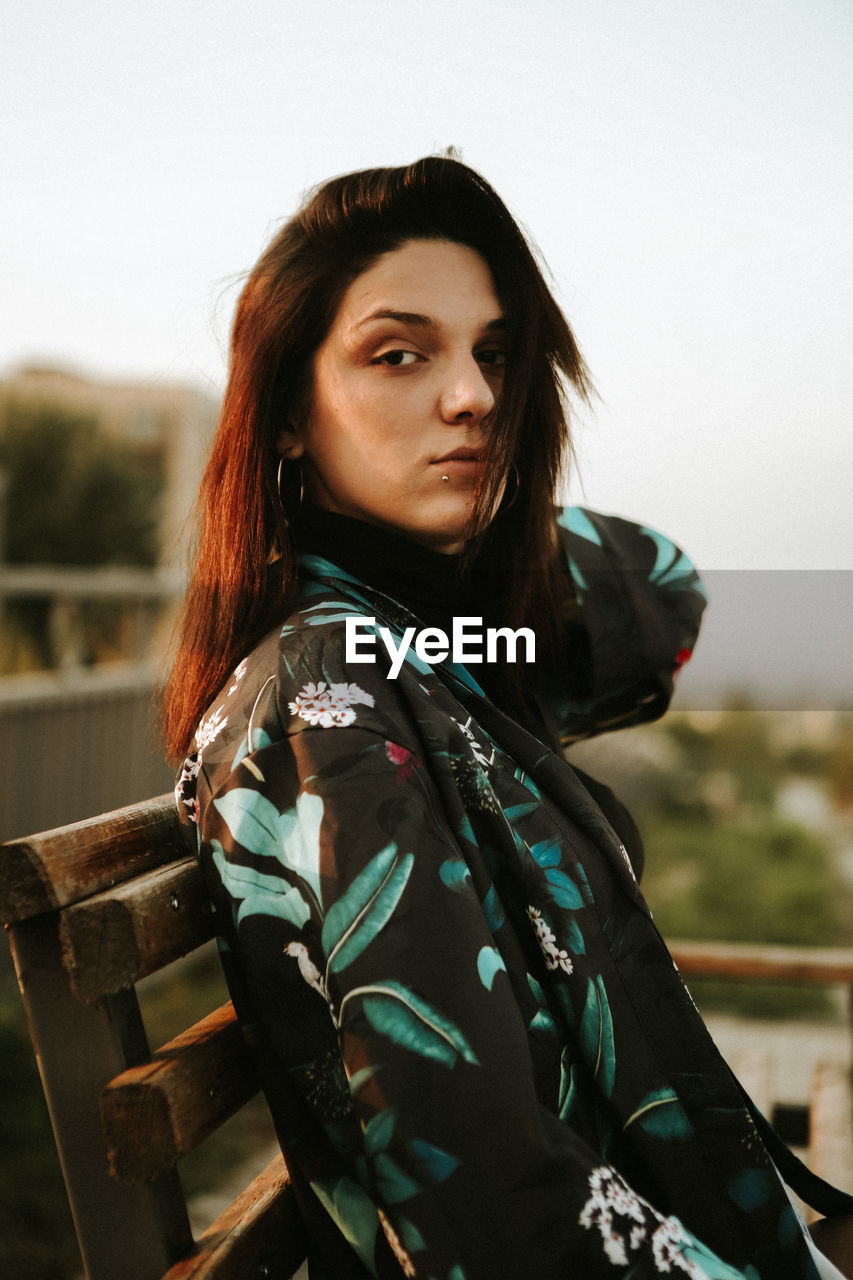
{"x":436,"y":588}
{"x":433,"y":586}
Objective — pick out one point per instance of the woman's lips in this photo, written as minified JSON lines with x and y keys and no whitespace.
{"x":460,"y":462}
{"x":460,"y":466}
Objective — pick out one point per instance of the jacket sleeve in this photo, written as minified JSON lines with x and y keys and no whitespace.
{"x":638,"y":605}
{"x":354,"y":910}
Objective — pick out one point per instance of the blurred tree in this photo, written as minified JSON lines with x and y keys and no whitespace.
{"x":841,"y":772}
{"x":723,"y":863}
{"x":74,"y":494}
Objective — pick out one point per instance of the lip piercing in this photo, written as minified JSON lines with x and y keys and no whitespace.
{"x":446,"y":479}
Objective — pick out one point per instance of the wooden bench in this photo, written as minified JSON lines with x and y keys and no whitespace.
{"x":92,"y":908}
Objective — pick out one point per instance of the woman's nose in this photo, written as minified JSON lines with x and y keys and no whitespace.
{"x":467,"y":393}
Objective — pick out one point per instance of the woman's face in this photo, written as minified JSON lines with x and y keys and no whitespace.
{"x":403,"y":385}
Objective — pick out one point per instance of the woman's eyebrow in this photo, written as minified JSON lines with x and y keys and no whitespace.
{"x":419,"y":321}
{"x":402,"y":317}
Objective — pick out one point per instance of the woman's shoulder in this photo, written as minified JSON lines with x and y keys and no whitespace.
{"x":300,"y":676}
{"x":616,"y":542}
{"x":639,"y":603}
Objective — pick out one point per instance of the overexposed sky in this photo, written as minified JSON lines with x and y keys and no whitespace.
{"x":685,"y":167}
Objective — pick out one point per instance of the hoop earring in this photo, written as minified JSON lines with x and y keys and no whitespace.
{"x":505,"y":506}
{"x":281,"y":503}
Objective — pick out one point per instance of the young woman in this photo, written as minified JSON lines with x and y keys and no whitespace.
{"x":479,"y":1056}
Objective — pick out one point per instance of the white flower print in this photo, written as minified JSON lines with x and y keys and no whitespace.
{"x":555,"y":957}
{"x":208,"y":729}
{"x":624,"y":1219}
{"x":185,"y":786}
{"x":329,"y":705}
{"x":611,"y":1197}
{"x":667,"y":1244}
{"x":239,"y":672}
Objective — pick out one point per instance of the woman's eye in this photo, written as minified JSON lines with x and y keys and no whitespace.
{"x":396,"y":358}
{"x":492,"y":356}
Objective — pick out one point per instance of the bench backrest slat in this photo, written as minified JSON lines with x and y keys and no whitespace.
{"x":114,"y":938}
{"x":158,"y":1112}
{"x":55,"y":868}
{"x":92,"y":908}
{"x":261,"y":1234}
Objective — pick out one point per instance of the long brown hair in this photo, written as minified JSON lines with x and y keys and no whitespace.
{"x":285,"y":311}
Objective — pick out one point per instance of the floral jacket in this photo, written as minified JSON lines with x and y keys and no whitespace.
{"x":479,"y":1055}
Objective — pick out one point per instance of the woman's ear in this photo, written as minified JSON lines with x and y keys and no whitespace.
{"x":288,"y":444}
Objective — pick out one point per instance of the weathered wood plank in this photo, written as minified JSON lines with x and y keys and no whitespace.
{"x":754,"y":960}
{"x":156,"y":1112}
{"x":260,"y":1234}
{"x":55,"y":868}
{"x":113,"y":939}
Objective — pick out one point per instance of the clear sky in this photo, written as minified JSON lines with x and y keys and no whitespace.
{"x":685,"y":167}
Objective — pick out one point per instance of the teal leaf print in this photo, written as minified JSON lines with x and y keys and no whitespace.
{"x":581,"y":585}
{"x":493,"y":910}
{"x":672,"y":568}
{"x":546,"y":853}
{"x":465,"y":831}
{"x":544,"y":1021}
{"x":516,"y":811}
{"x":412,"y":1238}
{"x":576,"y":941}
{"x":353,"y":1211}
{"x":261,"y":894}
{"x":596,"y":1033}
{"x":378,"y":1132}
{"x":253,"y":819}
{"x":567,"y":1085}
{"x":701,"y":1261}
{"x":393,"y":1184}
{"x":564,"y":892}
{"x":577,"y":521}
{"x":434,"y":1165}
{"x":260,"y":739}
{"x":489,"y":962}
{"x":662,"y":1115}
{"x":536,"y":990}
{"x":454,"y":873}
{"x":751,"y":1188}
{"x":586,"y":891}
{"x":356,"y":918}
{"x":292,"y":837}
{"x":408,"y":1021}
